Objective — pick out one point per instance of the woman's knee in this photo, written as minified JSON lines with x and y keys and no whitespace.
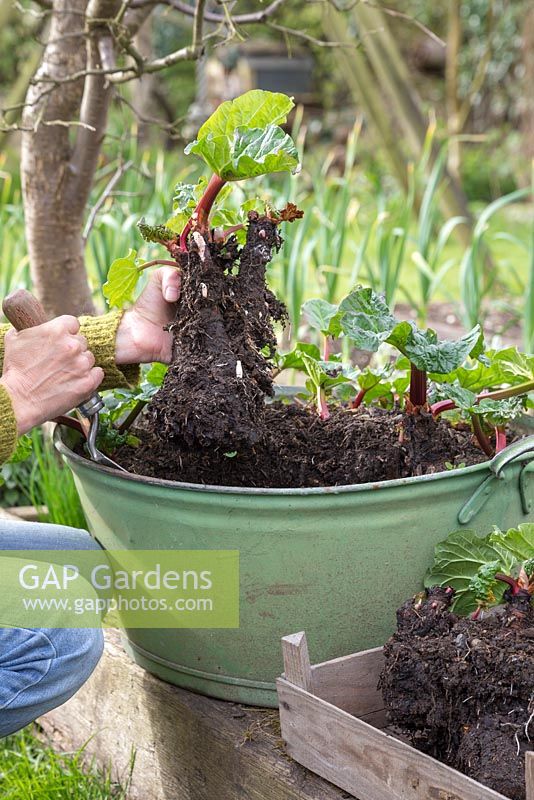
{"x":42,"y":669}
{"x":78,"y":651}
{"x":41,"y":536}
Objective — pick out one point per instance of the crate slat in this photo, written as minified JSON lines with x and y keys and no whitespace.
{"x":364,"y":760}
{"x":334,"y":730}
{"x":297,"y":660}
{"x":351,"y":682}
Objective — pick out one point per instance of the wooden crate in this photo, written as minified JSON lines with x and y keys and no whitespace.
{"x":331,"y":716}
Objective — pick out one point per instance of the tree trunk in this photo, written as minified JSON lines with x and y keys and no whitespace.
{"x":58,"y":161}
{"x":53,"y":226}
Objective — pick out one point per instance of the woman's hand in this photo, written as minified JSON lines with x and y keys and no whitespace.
{"x":48,"y":370}
{"x":140,"y":336}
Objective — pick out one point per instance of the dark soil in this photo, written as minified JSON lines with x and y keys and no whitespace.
{"x":463,"y":690}
{"x":298,"y":449}
{"x":213,"y":394}
{"x":209,"y":423}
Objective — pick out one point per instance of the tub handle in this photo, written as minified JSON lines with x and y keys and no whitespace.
{"x":509,"y":454}
{"x":497,"y":466}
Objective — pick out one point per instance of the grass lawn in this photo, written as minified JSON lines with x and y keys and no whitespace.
{"x":30,"y":770}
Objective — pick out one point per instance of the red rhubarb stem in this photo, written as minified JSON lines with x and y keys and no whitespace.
{"x":322,"y":405}
{"x":358,"y":400}
{"x":201,"y":214}
{"x":500,"y":438}
{"x":418,"y":384}
{"x":233,"y":229}
{"x":162,"y":261}
{"x":441,"y":406}
{"x":510,"y":581}
{"x":482,"y":439}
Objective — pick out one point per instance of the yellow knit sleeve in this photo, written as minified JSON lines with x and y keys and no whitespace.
{"x":100,"y":333}
{"x":3,"y":330}
{"x":8,"y":423}
{"x":8,"y":426}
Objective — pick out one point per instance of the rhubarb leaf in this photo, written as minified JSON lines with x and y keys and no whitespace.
{"x":516,"y":542}
{"x":475,"y":378}
{"x":230,"y":217}
{"x":484,"y":588}
{"x":312,"y":368}
{"x":254,"y":109}
{"x":156,"y":374}
{"x":468,"y":563}
{"x":293,"y":359}
{"x":464,"y":398}
{"x":457,"y":561}
{"x":366,"y":319}
{"x":323,"y":316}
{"x":369,"y":378}
{"x":495,"y":412}
{"x":428,"y":353}
{"x":122,"y":280}
{"x":499,"y":412}
{"x":515,"y":367}
{"x":186,"y":196}
{"x":242,"y":138}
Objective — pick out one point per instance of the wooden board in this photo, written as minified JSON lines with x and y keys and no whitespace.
{"x":331,"y":717}
{"x":351,"y":682}
{"x":187,"y":747}
{"x":362,"y":759}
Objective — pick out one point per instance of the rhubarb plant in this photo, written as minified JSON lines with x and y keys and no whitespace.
{"x":242,"y":139}
{"x":482,"y":569}
{"x":368,"y":322}
{"x":321,"y":376}
{"x":487,"y":388}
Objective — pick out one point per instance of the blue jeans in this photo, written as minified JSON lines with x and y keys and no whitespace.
{"x":42,"y":668}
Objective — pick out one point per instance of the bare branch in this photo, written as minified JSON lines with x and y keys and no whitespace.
{"x":198,"y":24}
{"x":170,"y":125}
{"x":407,"y":18}
{"x":211,"y":16}
{"x":190,"y":53}
{"x":115,"y":178}
{"x":306,"y":36}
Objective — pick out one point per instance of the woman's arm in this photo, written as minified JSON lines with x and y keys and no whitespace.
{"x":43,"y":379}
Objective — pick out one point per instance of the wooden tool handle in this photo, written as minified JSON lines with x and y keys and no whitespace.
{"x":23,"y":310}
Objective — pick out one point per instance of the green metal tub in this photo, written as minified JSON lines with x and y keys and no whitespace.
{"x":336,"y":562}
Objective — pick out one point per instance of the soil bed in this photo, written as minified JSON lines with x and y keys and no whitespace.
{"x":297,"y":449}
{"x":463,"y":690}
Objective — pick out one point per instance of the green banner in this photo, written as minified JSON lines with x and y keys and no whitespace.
{"x":119,"y":588}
